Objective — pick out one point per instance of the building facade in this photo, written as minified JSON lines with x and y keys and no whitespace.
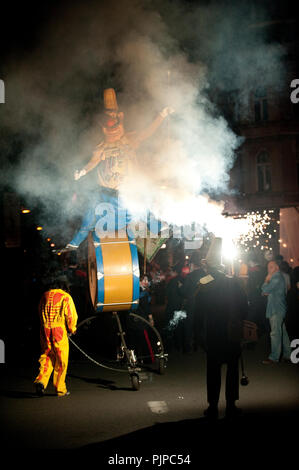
{"x":265,"y":176}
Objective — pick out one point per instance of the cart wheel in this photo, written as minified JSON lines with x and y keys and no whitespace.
{"x":161,"y":366}
{"x":135,"y":381}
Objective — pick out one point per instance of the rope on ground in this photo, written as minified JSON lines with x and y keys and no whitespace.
{"x":93,"y":360}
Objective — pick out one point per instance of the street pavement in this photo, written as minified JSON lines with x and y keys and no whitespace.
{"x":104,"y":416}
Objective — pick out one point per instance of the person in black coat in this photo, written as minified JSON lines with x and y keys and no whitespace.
{"x":221,"y":305}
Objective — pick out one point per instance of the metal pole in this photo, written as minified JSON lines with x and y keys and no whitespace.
{"x":144,"y":251}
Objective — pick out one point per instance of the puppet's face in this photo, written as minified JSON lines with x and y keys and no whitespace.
{"x":113,"y":125}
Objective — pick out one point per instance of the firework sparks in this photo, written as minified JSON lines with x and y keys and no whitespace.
{"x":248,"y":230}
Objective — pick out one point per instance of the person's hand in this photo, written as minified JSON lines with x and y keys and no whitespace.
{"x":78,"y":174}
{"x":166,"y":111}
{"x":268,"y":278}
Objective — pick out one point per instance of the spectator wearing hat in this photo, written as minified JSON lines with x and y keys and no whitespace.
{"x":221,"y":305}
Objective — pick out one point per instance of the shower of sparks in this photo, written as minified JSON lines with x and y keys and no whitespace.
{"x":251,"y":229}
{"x":258,"y":224}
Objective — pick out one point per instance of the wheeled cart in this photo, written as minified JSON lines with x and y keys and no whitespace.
{"x":113,"y":280}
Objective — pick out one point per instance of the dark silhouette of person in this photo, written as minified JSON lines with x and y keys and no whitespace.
{"x":292,"y":318}
{"x":256,"y":302}
{"x":188,"y":292}
{"x":173,"y":292}
{"x":221,"y":305}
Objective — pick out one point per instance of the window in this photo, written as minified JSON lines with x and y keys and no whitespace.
{"x":263,"y":172}
{"x":260,"y":105}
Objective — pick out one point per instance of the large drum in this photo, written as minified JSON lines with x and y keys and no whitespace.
{"x":113,"y":272}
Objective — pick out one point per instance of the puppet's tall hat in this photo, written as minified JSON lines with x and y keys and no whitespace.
{"x":110,"y":101}
{"x":214,"y":255}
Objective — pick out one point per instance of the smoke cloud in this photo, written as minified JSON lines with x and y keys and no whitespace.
{"x":154,"y":56}
{"x":178,"y":315}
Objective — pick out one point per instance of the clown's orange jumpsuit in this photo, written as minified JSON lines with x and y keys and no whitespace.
{"x":58,"y":317}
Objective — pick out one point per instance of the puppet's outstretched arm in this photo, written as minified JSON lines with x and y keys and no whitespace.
{"x":93,"y":162}
{"x":151,"y":129}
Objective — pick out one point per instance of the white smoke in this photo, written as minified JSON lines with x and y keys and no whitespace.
{"x":54,"y":99}
{"x":178,"y":315}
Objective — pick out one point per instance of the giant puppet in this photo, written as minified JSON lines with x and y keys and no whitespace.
{"x":114,"y":158}
{"x":113,"y":267}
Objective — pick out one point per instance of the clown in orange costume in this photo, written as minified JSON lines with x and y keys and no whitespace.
{"x":58,"y":317}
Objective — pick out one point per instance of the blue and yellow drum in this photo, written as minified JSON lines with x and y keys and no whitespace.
{"x":113,"y":272}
